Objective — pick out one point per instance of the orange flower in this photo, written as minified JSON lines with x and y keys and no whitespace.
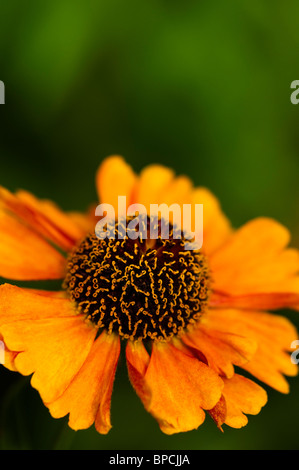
{"x":188,"y":318}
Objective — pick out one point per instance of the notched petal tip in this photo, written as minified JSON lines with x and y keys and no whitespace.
{"x":87,"y":399}
{"x":242,"y":396}
{"x":175,"y":387}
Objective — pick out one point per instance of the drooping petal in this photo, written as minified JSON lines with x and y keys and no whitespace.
{"x":52,"y":349}
{"x":42,"y":216}
{"x":25,"y":255}
{"x":273,"y":335}
{"x":25,"y":304}
{"x":175,"y":388}
{"x":137,"y":362}
{"x":47,"y":337}
{"x":88,"y":396}
{"x":222,"y":350}
{"x":242,"y":396}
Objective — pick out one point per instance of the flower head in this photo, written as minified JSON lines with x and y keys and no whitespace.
{"x":187,"y":316}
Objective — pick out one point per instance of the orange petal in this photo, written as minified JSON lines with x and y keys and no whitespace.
{"x":137,"y":362}
{"x":86,"y":221}
{"x":53,"y":349}
{"x":29,"y":305}
{"x":242,"y":396}
{"x":115,"y":178}
{"x":179,"y":191}
{"x":221,"y":349}
{"x":61,"y":294}
{"x":216,"y":226}
{"x":87,"y":398}
{"x":263,"y":301}
{"x":158,"y":185}
{"x":153,"y":183}
{"x":35,"y":329}
{"x":25,"y":304}
{"x":254,"y":260}
{"x":42,"y":216}
{"x":63,"y":228}
{"x":9,"y":360}
{"x":7,"y":357}
{"x":273,"y":335}
{"x":175,"y":388}
{"x":24,"y":255}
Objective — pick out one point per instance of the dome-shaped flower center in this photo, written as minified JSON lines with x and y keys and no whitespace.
{"x":141,"y":288}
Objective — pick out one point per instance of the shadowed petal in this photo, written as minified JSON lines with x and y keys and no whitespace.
{"x":87,"y":398}
{"x":175,"y":387}
{"x":25,"y":255}
{"x":273,"y":335}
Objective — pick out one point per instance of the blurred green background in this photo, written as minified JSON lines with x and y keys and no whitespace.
{"x":203,"y":87}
